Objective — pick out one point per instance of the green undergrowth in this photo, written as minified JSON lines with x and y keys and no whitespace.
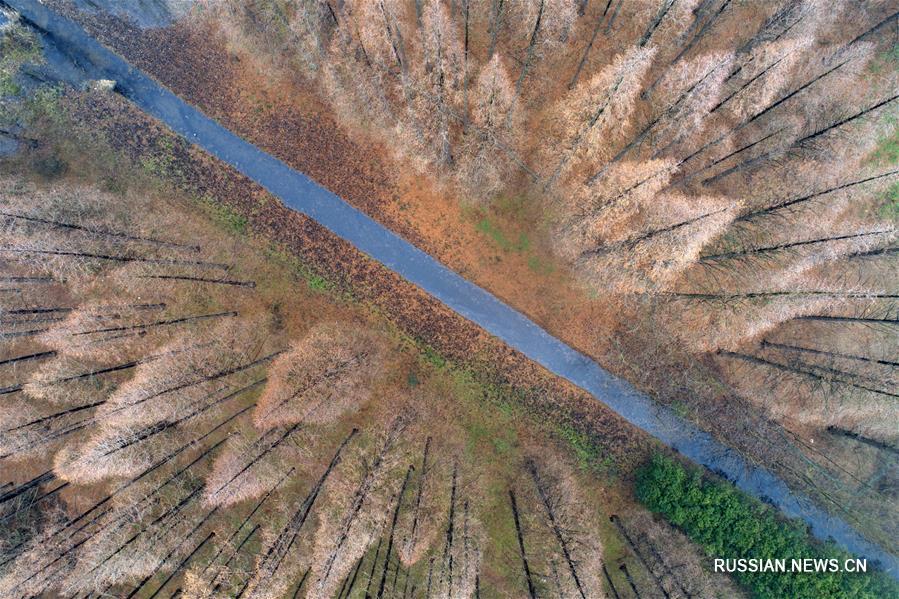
{"x":727,"y":523}
{"x":225,"y":216}
{"x":510,"y":226}
{"x":501,"y":238}
{"x":886,"y":152}
{"x":507,"y":404}
{"x":590,"y":454}
{"x":889,"y":207}
{"x":888,"y":60}
{"x":303,"y":271}
{"x":18,"y":46}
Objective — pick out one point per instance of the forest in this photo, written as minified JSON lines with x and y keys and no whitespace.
{"x":194,"y":431}
{"x":679,"y":159}
{"x":190,"y":411}
{"x":715,"y":183}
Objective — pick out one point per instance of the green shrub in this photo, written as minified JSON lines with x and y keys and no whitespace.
{"x":729,"y":524}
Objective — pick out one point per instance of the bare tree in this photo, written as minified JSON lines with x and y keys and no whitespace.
{"x":595,"y":109}
{"x":324,"y":375}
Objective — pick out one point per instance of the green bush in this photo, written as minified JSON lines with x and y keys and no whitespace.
{"x":729,"y":524}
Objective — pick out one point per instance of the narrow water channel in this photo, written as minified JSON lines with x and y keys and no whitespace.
{"x":68,"y":44}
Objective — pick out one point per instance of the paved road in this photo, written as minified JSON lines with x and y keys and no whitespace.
{"x":67,"y":41}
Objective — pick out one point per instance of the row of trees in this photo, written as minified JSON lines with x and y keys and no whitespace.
{"x":185,"y":444}
{"x":140,"y":364}
{"x":723,"y":522}
{"x":729,"y":162}
{"x":622,"y":150}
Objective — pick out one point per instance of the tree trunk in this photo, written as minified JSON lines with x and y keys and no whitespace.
{"x":275,"y":554}
{"x":496,"y":20}
{"x":371,"y":574}
{"x":639,"y":554}
{"x":842,"y":122}
{"x":841,"y":432}
{"x":465,"y":9}
{"x":396,"y":514}
{"x":114,"y":258}
{"x":801,"y":371}
{"x":654,"y":24}
{"x":715,"y":163}
{"x":830,"y":354}
{"x":583,"y":60}
{"x":244,"y":523}
{"x":790,"y":95}
{"x":630,"y":580}
{"x":529,"y":56}
{"x":422,"y":480}
{"x":610,"y":583}
{"x":780,"y":205}
{"x":874,"y":28}
{"x":614,"y":16}
{"x":230,"y":282}
{"x":98,"y":232}
{"x":359,"y":498}
{"x":28,"y":358}
{"x":761,"y":74}
{"x":450,"y":529}
{"x":524,"y":559}
{"x":784,"y":246}
{"x":554,"y":525}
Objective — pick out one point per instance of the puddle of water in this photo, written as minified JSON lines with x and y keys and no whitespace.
{"x":299,"y":192}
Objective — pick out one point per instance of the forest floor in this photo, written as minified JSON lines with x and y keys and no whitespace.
{"x":502,"y":247}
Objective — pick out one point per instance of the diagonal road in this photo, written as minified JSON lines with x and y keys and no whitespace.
{"x":81,"y":57}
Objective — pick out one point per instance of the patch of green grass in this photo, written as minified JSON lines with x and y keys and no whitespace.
{"x":40,"y":109}
{"x":889,"y":207}
{"x":885,"y":61}
{"x":412,"y":380}
{"x":515,"y":207}
{"x":432,"y":357}
{"x":502,"y":445}
{"x":887,"y":151}
{"x":315,"y":281}
{"x":501,"y":238}
{"x":589,"y":455}
{"x":164,"y":164}
{"x":225,"y":216}
{"x":680,"y":408}
{"x":153,"y":166}
{"x":501,"y":439}
{"x":489,"y":416}
{"x":892,"y":55}
{"x":8,"y":86}
{"x":539,"y":266}
{"x":18,"y":45}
